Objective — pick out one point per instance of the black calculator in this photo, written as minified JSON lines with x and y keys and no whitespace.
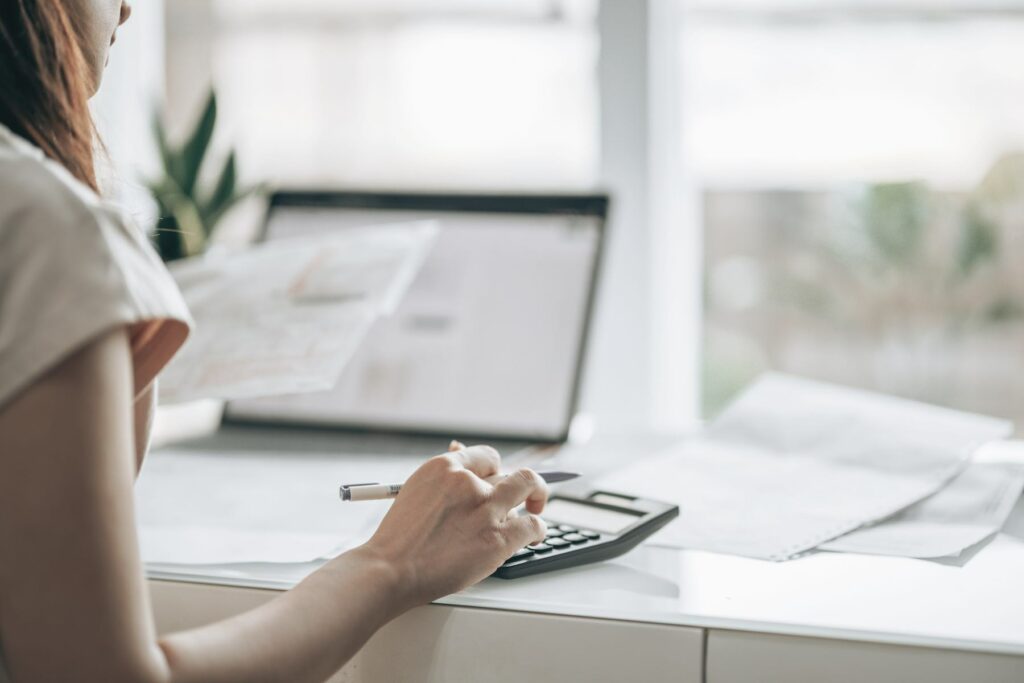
{"x":597,"y":526}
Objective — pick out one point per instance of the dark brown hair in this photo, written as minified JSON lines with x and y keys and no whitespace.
{"x":45,"y":84}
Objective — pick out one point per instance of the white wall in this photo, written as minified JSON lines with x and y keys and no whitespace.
{"x":132,"y":87}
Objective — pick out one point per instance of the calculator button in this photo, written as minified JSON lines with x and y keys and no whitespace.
{"x":575,"y":538}
{"x":592,"y":535}
{"x":520,"y":554}
{"x":554,"y":533}
{"x":539,"y":547}
{"x":566,"y":528}
{"x":557,"y":543}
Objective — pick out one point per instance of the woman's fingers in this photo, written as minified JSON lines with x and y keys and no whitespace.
{"x":523,"y":530}
{"x":521,"y":485}
{"x":483,"y":461}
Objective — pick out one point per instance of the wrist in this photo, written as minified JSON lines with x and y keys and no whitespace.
{"x":393,"y":579}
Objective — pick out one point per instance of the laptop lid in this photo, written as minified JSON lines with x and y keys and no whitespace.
{"x":490,"y":338}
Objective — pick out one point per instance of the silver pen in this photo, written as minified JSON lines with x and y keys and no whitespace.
{"x":375,"y":491}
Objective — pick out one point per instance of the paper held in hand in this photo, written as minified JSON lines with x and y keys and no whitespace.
{"x":286,"y":316}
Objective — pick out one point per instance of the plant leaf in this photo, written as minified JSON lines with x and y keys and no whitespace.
{"x":197,"y":145}
{"x":190,"y":224}
{"x":223,"y":195}
{"x":215,"y":217}
{"x":171,"y":159}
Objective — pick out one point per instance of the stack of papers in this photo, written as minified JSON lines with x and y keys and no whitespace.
{"x":285,"y":317}
{"x":968,"y":510}
{"x":794,"y":464}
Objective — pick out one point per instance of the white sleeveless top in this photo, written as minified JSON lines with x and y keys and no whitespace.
{"x":71,"y":268}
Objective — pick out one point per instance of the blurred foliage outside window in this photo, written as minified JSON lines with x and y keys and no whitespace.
{"x":893,"y":287}
{"x":863,"y":195}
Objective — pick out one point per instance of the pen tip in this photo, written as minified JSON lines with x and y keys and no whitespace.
{"x":558,"y":477}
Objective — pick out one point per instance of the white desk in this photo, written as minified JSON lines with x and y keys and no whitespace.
{"x":660,"y":614}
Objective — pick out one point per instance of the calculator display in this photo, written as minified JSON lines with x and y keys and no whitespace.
{"x":588,"y":516}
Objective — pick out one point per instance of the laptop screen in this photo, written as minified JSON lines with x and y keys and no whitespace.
{"x":489,"y":338}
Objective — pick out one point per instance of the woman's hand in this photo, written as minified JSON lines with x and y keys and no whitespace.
{"x":449,"y":528}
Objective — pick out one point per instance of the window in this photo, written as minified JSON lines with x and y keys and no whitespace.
{"x":855,"y":161}
{"x":862,"y":195}
{"x":397,"y":93}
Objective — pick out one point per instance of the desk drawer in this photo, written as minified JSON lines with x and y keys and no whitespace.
{"x":438,"y":643}
{"x":743,"y":657}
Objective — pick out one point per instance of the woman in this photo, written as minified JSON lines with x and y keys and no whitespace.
{"x":88,"y":317}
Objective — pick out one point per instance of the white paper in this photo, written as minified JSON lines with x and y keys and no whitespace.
{"x":203,"y":507}
{"x":794,"y":463}
{"x":284,"y":317}
{"x":968,"y":510}
{"x":218,"y":545}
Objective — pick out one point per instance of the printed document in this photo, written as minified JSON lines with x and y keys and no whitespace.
{"x":284,"y":317}
{"x":795,"y":463}
{"x":968,"y":510}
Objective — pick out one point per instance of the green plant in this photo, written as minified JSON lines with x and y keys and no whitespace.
{"x":188,"y":211}
{"x":905,"y":259}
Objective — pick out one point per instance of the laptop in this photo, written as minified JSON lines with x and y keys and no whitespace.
{"x":487,"y":346}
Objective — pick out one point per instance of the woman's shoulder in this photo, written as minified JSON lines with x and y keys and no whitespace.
{"x":50,"y":222}
{"x":38,"y":194}
{"x":43,"y":208}
{"x":72,"y":266}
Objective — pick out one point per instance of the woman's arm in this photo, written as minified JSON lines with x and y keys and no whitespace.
{"x":73,"y":599}
{"x":142,"y":423}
